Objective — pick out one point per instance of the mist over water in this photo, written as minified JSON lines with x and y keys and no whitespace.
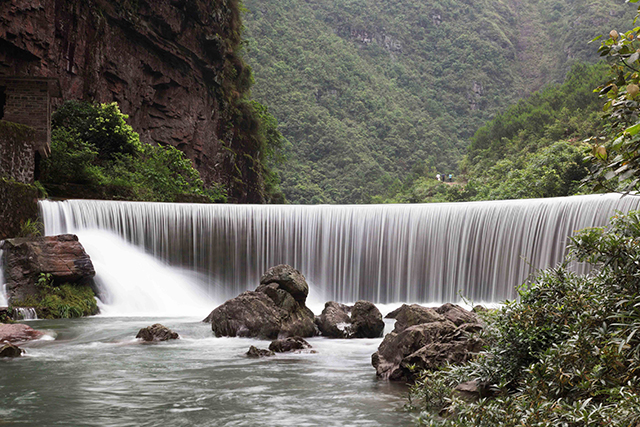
{"x":427,"y":253}
{"x":133,"y":283}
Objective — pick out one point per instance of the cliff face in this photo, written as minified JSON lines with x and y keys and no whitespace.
{"x":172,"y":66}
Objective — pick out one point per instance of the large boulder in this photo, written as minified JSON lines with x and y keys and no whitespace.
{"x":363,"y":320}
{"x":250,"y":314}
{"x":334,"y":320}
{"x":414,"y":314}
{"x":423,"y":339}
{"x":26,"y":258}
{"x":18,"y":332}
{"x":157,"y":332}
{"x":289,"y":280}
{"x":366,"y":320}
{"x":276,"y":309}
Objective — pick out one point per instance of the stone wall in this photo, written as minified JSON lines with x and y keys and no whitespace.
{"x":27,"y":102}
{"x":19,"y":203}
{"x":17,"y":151}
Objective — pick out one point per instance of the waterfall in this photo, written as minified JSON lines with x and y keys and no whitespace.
{"x":383,"y":253}
{"x":24,"y":313}
{"x":3,"y":286}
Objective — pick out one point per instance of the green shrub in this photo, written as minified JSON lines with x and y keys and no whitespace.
{"x":566,"y":353}
{"x":93,"y":147}
{"x":101,"y":126}
{"x":60,"y":302}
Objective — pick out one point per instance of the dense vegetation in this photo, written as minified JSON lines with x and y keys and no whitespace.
{"x":368,"y":93}
{"x":95,"y":153}
{"x":566,"y":353}
{"x":63,"y":301}
{"x":534,"y":148}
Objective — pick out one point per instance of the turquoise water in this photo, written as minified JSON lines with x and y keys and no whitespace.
{"x":95,"y":373}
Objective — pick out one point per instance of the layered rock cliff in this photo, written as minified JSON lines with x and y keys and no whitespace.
{"x":172,"y":65}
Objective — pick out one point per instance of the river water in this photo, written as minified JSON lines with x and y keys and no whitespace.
{"x":95,"y":373}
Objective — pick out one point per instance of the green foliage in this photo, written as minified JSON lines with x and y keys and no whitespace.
{"x":60,"y":302}
{"x":367,"y":91}
{"x":101,"y":127}
{"x":615,"y":155}
{"x":92,"y":146}
{"x":532,"y":149}
{"x":30,"y":228}
{"x":566,"y":353}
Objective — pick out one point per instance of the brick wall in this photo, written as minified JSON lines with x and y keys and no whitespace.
{"x":27,"y":102}
{"x":19,"y":203}
{"x":17,"y":152}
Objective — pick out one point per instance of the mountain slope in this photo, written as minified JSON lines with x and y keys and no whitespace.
{"x":367,"y":92}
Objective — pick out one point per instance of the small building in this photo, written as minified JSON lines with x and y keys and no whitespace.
{"x":26,"y":101}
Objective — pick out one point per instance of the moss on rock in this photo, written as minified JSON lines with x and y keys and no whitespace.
{"x":62,"y":302}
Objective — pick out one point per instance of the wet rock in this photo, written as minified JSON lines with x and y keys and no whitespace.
{"x":457,"y":314}
{"x":366,"y":320}
{"x":17,"y":332}
{"x":288,"y":279}
{"x":157,"y":332}
{"x":363,"y":320}
{"x":414,"y":314}
{"x":26,"y":258}
{"x":426,"y":339}
{"x":269,"y":312}
{"x":289,"y":344}
{"x":250,"y":314}
{"x":334,"y":320}
{"x":256,"y":352}
{"x":10,"y":350}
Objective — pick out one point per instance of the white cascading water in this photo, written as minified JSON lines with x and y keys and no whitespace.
{"x":3,"y":286}
{"x":384,"y":253}
{"x":24,"y":313}
{"x":133,"y":283}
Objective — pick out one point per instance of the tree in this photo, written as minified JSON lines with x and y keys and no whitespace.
{"x":616,"y":155}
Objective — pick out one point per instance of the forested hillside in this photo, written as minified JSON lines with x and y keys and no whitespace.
{"x":369,"y":94}
{"x":534,"y":148}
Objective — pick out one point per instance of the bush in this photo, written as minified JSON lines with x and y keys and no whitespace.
{"x":60,"y":302}
{"x":566,"y":353}
{"x":93,"y":147}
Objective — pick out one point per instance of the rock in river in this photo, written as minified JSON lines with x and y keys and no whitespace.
{"x":276,"y":309}
{"x":363,"y":320}
{"x":18,"y":332}
{"x":256,"y":352}
{"x":424,"y":338}
{"x":289,"y":344}
{"x":10,"y":350}
{"x":157,"y":332}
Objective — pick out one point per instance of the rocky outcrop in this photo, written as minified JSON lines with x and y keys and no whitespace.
{"x":276,"y":309}
{"x":287,"y":279}
{"x":363,"y":320}
{"x":25,"y":259}
{"x":157,"y":332}
{"x":17,"y":332}
{"x":425,"y":338}
{"x":10,"y":350}
{"x":289,"y":344}
{"x":173,"y":66}
{"x":256,"y":352}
